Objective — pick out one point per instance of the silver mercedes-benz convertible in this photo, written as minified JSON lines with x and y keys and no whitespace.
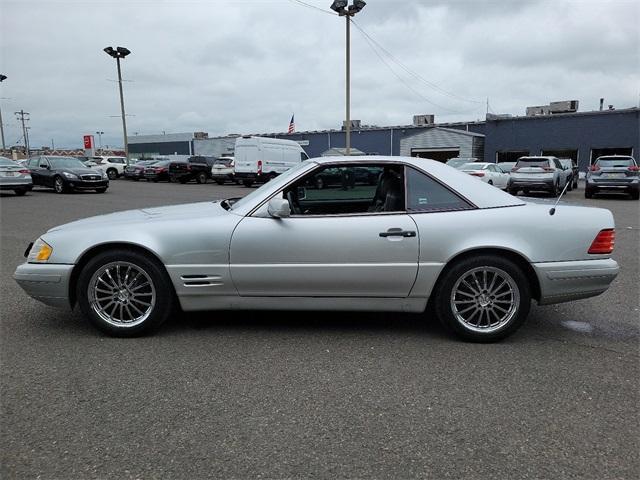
{"x":349,"y":234}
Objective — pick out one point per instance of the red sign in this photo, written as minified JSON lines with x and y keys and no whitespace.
{"x":88,"y":141}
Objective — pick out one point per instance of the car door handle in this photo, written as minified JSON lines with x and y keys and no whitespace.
{"x":397,"y":232}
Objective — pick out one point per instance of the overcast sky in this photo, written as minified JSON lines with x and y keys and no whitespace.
{"x":239,"y":66}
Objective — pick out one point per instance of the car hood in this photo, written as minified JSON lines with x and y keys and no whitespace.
{"x":145,"y":215}
{"x":82,"y":171}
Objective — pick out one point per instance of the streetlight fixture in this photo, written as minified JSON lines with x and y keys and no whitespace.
{"x":100,"y":139}
{"x":2,"y":79}
{"x":342,"y":8}
{"x":118,"y":53}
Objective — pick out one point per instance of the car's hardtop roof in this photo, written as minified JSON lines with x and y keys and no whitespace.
{"x":614,"y":157}
{"x":479,"y":193}
{"x":536,"y":157}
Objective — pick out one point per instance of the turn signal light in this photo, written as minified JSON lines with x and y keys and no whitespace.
{"x":603,"y":243}
{"x":594,"y":168}
{"x":634,"y":168}
{"x":260,"y":166}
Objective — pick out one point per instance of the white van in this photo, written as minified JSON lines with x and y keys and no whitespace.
{"x":259,"y":159}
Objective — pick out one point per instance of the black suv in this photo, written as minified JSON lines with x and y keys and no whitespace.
{"x":196,"y":168}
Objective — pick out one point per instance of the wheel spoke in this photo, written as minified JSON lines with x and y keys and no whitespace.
{"x":465,"y":294}
{"x":500,"y":308}
{"x":108,"y":273}
{"x":484,"y":280}
{"x":497,"y":289}
{"x":140,"y":312}
{"x":130,"y":284}
{"x":467,"y":309}
{"x":141,"y":302}
{"x":100,"y":279}
{"x":138,"y":287}
{"x":459,"y":302}
{"x":466,"y":284}
{"x":101,"y":290}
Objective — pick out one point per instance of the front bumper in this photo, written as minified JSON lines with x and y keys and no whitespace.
{"x":47,"y":283}
{"x":567,"y":281}
{"x":87,"y":184}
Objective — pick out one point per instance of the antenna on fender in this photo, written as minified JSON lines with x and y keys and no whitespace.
{"x":552,"y":211}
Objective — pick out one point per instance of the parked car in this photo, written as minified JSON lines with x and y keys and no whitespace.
{"x":136,"y":171}
{"x":425,"y":232}
{"x":158,"y":171}
{"x":538,"y":173}
{"x":460,"y":161}
{"x":573,"y":172}
{"x":66,"y":174}
{"x":260,"y":159}
{"x":223,"y":170}
{"x":487,"y":172}
{"x":613,"y":173}
{"x":506,"y":167}
{"x":113,"y":166}
{"x":196,"y":168}
{"x":14,"y":177}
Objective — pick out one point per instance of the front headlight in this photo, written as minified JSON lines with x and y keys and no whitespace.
{"x":40,"y":252}
{"x":104,"y":174}
{"x":69,"y":175}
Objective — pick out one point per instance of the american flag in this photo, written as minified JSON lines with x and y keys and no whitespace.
{"x":292,"y":126}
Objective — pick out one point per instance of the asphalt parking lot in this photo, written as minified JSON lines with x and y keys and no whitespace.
{"x":301,"y":395}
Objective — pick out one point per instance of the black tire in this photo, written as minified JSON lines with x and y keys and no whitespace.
{"x":220,"y":182}
{"x":183,"y":180}
{"x":201,"y":178}
{"x":588,"y":193}
{"x":247,"y":183}
{"x":555,"y":190}
{"x":59,"y":186}
{"x":20,"y":191}
{"x":135,"y":179}
{"x":154,"y":315}
{"x":498,"y":268}
{"x":570,"y":187}
{"x":513,"y":191}
{"x":635,"y":194}
{"x":575,"y":184}
{"x":101,"y":190}
{"x":112,"y":173}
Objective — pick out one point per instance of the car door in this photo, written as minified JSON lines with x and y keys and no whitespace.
{"x":500,"y":177}
{"x":332,"y":246}
{"x":39,"y":170}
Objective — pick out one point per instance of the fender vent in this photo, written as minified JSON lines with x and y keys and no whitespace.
{"x":201,"y":280}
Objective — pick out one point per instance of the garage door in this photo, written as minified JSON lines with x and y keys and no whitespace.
{"x":441,"y":155}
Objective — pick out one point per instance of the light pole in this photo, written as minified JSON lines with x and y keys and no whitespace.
{"x":119,"y":53}
{"x":341,"y":8}
{"x":100,"y":139}
{"x":2,"y":79}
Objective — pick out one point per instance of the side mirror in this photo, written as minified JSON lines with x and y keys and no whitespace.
{"x":279,"y":208}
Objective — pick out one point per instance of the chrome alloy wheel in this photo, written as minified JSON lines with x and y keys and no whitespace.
{"x":484,"y":299}
{"x":122,"y":294}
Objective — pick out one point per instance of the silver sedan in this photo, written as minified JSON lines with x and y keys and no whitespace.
{"x":423,"y":233}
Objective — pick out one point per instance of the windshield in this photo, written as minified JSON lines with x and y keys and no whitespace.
{"x":65,"y":162}
{"x":280,"y":179}
{"x":457,"y":162}
{"x":615,"y":162}
{"x":506,"y":166}
{"x":532,"y":162}
{"x":6,"y":162}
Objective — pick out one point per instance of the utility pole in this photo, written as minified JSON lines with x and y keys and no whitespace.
{"x":2,"y":79}
{"x":24,"y":117}
{"x":119,"y":53}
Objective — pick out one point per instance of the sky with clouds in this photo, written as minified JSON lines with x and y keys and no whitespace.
{"x":244,"y":66}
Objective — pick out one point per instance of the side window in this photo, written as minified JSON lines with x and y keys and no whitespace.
{"x":348,"y":189}
{"x":303,"y":156}
{"x":426,"y":195}
{"x":34,"y":162}
{"x":557,"y":164}
{"x":43,"y":162}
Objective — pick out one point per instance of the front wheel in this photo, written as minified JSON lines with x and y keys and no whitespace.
{"x":112,"y":173}
{"x":555,"y":190}
{"x":220,"y":182}
{"x":201,"y":178}
{"x":59,"y":186}
{"x":513,"y":191}
{"x":247,"y":183}
{"x":635,"y":194}
{"x":588,"y":193}
{"x":483,"y":299}
{"x":101,"y":190}
{"x":124,"y":293}
{"x":20,"y":191}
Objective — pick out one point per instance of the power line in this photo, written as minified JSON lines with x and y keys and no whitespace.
{"x":415,"y":75}
{"x":308,"y":5}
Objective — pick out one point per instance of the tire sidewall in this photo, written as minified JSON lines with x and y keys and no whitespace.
{"x":164,"y":292}
{"x":451,"y":276}
{"x":59,"y":181}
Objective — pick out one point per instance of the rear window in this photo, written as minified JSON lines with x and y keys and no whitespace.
{"x":426,"y":195}
{"x":615,"y":162}
{"x":532,"y":162}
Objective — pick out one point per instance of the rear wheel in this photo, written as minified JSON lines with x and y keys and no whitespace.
{"x":112,"y":173}
{"x":490,"y":182}
{"x":555,"y":189}
{"x":483,"y":299}
{"x":635,"y":194}
{"x":20,"y":191}
{"x":570,"y":187}
{"x":588,"y":193}
{"x":220,"y":182}
{"x":124,"y":293}
{"x":201,"y":177}
{"x":247,"y":183}
{"x":101,"y":190}
{"x":513,"y":191}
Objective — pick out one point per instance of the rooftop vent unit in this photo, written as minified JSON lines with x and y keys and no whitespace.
{"x":200,"y":135}
{"x":500,"y":116}
{"x":422,"y":120}
{"x":565,"y":106}
{"x":538,"y":110}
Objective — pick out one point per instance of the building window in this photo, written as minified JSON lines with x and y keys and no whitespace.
{"x":511,"y":155}
{"x":599,"y":152}
{"x":572,"y":154}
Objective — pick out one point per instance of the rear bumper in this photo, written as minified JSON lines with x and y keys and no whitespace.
{"x":567,"y":281}
{"x":533,"y":183}
{"x":46,"y":283}
{"x":255,"y":177}
{"x":19,"y":184}
{"x":613,"y":184}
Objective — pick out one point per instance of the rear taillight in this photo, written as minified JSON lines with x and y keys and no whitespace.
{"x":160,"y":170}
{"x":594,"y":168}
{"x":24,"y":172}
{"x":477,"y":174}
{"x":634,"y":168}
{"x":260,"y":166}
{"x":603,"y":243}
{"x":548,"y":169}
